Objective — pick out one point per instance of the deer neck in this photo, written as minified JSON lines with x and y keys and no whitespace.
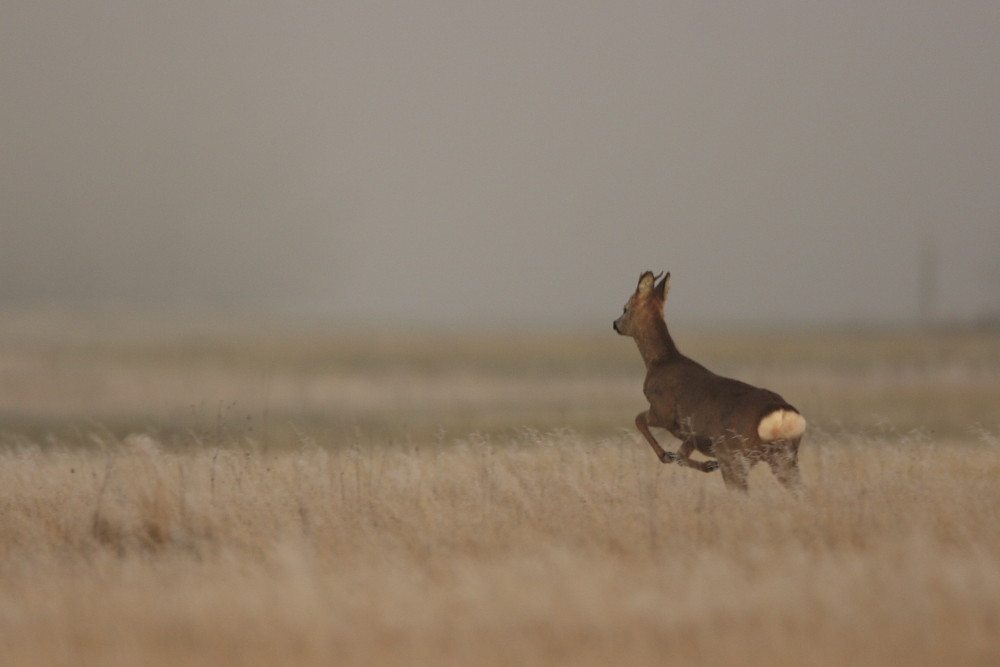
{"x":655,"y":344}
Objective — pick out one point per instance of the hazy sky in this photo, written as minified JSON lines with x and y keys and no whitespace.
{"x":461,"y":162}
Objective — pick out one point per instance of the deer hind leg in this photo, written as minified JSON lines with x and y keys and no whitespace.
{"x":735,"y":469}
{"x":642,"y":423}
{"x":783,"y":457}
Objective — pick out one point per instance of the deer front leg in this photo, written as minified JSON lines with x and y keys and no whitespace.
{"x":642,"y":423}
{"x":684,"y":454}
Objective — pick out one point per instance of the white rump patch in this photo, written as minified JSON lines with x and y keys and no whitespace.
{"x":781,"y":425}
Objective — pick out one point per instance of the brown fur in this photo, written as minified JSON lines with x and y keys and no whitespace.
{"x":716,"y":415}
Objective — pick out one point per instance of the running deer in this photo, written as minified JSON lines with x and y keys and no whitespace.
{"x":737,"y":423}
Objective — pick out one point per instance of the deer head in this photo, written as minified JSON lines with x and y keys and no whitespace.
{"x":644,"y":305}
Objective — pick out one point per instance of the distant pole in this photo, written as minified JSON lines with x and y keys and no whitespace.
{"x":927,"y":281}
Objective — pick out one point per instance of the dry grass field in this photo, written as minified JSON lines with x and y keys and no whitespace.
{"x":251,"y":496}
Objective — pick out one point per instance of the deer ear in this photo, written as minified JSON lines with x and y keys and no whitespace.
{"x":646,"y":281}
{"x":664,"y":287}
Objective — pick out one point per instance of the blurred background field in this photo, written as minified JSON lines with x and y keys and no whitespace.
{"x":59,"y":375}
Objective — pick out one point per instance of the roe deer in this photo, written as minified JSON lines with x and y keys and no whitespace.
{"x":736,"y":422}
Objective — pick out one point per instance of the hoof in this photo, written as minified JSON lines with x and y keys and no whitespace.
{"x":709,"y":466}
{"x":668,"y":457}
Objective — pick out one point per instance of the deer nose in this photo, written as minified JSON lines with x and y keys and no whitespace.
{"x":614,"y":325}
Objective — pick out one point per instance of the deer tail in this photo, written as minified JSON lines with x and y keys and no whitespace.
{"x":781,"y":424}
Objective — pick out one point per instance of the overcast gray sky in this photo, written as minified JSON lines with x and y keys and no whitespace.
{"x":460,"y":162}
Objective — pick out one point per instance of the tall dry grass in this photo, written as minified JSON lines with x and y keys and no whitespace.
{"x":340,"y":500}
{"x":545,"y":548}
